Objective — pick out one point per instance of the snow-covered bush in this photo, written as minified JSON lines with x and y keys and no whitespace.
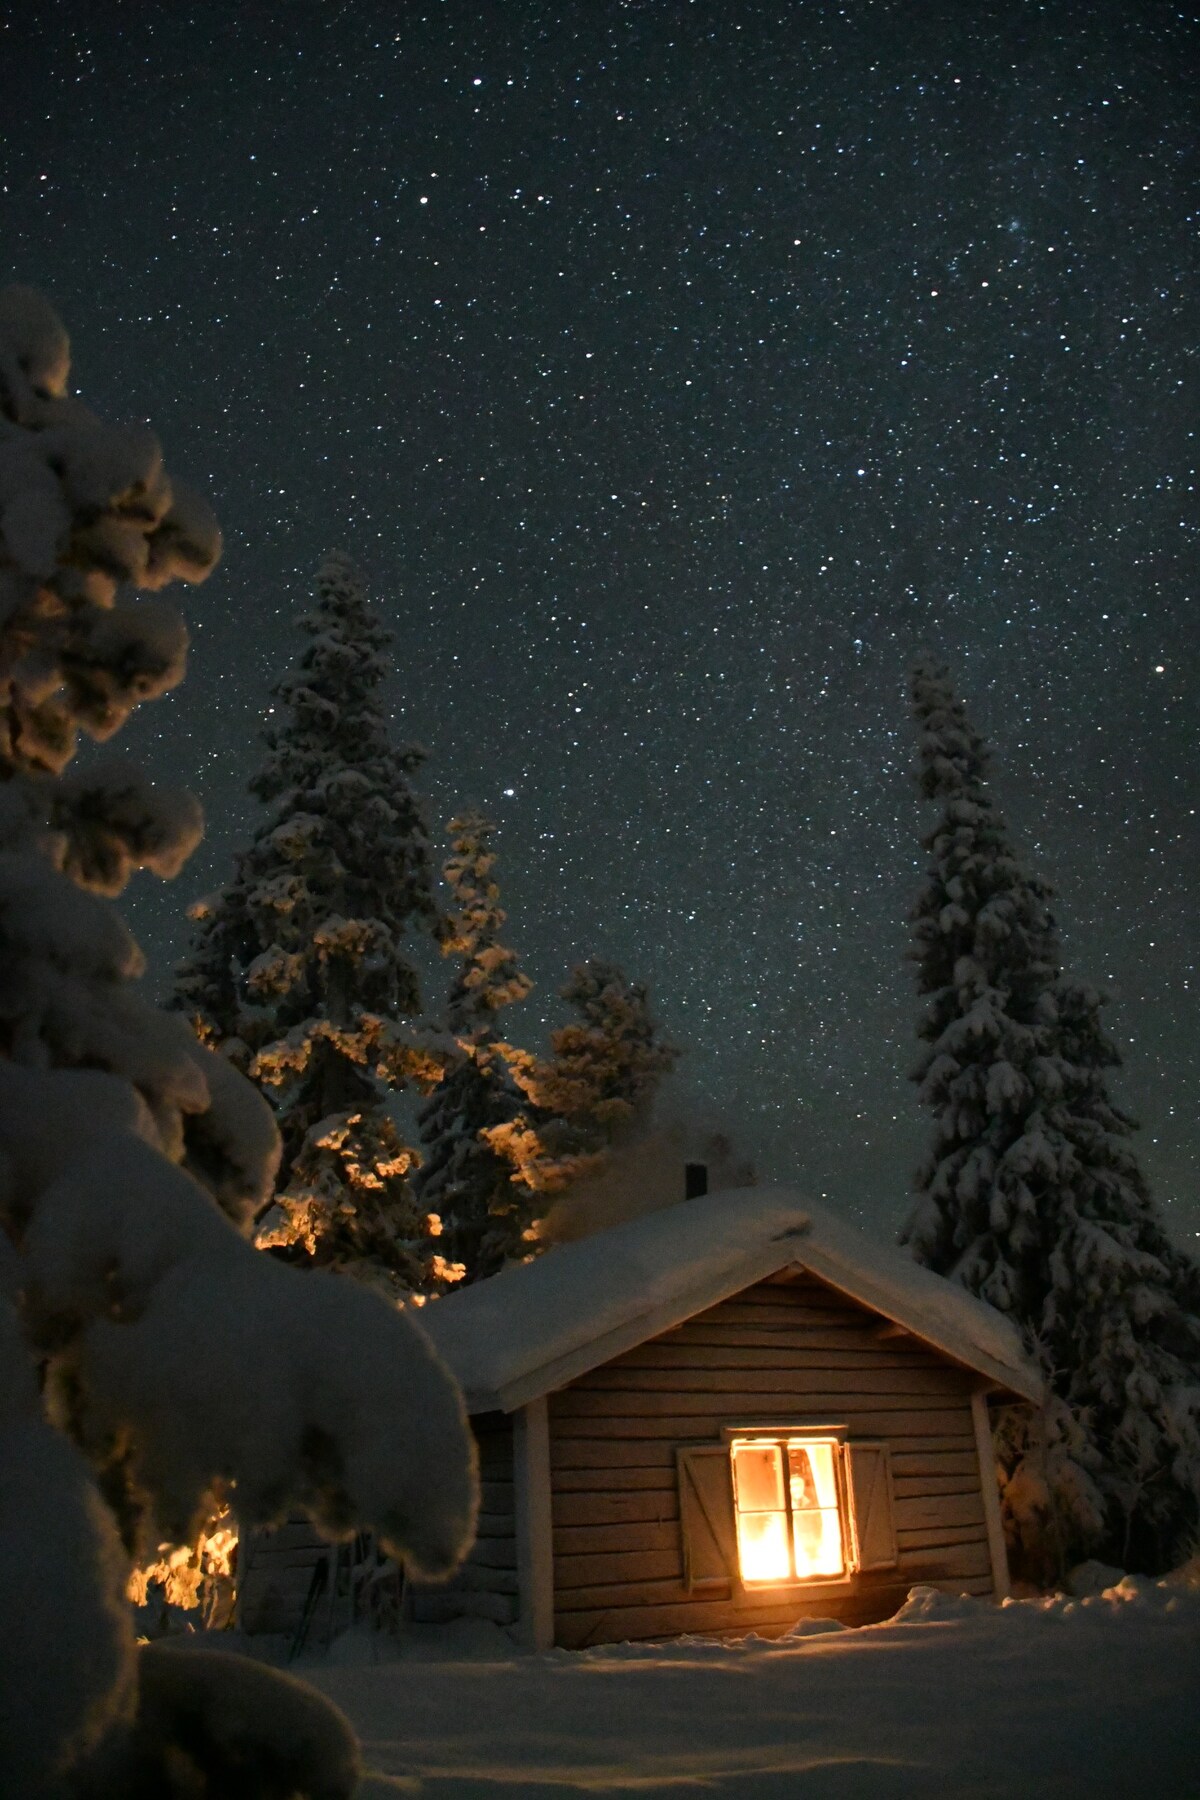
{"x":1030,"y":1195}
{"x":147,"y":1352}
{"x":70,"y":1675}
{"x":300,"y":974}
{"x":211,"y":1726}
{"x":160,"y":1308}
{"x":488,"y":1216}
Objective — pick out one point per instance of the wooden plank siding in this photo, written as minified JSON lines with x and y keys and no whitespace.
{"x":486,"y":1585}
{"x":278,"y":1564}
{"x":275,"y":1572}
{"x":788,"y":1351}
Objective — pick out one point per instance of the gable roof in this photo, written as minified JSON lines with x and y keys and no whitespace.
{"x":541,"y":1324}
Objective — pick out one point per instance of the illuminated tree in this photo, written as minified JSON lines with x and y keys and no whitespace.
{"x":606,"y":1068}
{"x":594,"y":1091}
{"x":301,"y":971}
{"x":487,"y":1215}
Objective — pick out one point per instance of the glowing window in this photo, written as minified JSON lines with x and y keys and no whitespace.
{"x":787,"y":1508}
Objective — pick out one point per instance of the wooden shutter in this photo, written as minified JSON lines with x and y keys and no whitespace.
{"x":869,"y":1467}
{"x":706,"y":1516}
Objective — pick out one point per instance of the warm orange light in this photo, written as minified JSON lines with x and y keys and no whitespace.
{"x":186,"y":1571}
{"x":763,"y":1550}
{"x":787,"y":1508}
{"x":816,"y":1526}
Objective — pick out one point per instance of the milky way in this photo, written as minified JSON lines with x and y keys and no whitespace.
{"x":673,"y":372}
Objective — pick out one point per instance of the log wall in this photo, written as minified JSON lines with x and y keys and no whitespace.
{"x":277,"y":1565}
{"x":486,"y":1585}
{"x":275,"y":1573}
{"x":785,"y":1351}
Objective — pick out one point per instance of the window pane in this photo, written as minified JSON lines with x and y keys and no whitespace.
{"x":787,"y":1508}
{"x":758,"y":1477}
{"x":818,"y":1541}
{"x":812,"y":1475}
{"x":802,"y":1480}
{"x":763,"y":1552}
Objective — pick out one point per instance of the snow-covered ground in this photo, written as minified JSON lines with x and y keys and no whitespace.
{"x":1097,"y":1697}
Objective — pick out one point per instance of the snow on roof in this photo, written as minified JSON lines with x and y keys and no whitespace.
{"x":537,"y":1326}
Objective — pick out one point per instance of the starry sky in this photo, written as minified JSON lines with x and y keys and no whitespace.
{"x":673,"y":371}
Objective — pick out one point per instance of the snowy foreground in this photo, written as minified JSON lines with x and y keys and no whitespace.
{"x":1064,"y":1698}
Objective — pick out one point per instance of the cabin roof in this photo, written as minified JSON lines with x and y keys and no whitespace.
{"x":541,"y":1324}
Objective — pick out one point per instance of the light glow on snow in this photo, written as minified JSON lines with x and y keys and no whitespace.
{"x":954,"y":1696}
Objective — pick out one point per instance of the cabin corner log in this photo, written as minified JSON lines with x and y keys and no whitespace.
{"x":990,"y":1490}
{"x":534,"y":1526}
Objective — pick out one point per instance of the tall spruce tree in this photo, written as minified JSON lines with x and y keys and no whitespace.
{"x":1030,"y":1195}
{"x":487,"y":1216}
{"x":300,"y":971}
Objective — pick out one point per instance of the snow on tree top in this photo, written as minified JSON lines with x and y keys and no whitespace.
{"x":538,"y":1325}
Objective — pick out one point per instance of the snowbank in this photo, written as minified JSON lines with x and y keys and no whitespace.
{"x":1038,"y":1700}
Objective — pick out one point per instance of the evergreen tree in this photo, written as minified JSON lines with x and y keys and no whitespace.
{"x":605,"y":1069}
{"x":986,"y":951}
{"x":486,"y":1215}
{"x":597,"y":1087}
{"x":300,"y":972}
{"x":1030,"y":1195}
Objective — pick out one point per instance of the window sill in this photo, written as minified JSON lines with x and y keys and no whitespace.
{"x":817,"y":1587}
{"x":725,"y":1588}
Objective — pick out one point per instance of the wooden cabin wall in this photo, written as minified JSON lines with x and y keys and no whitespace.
{"x":782,"y":1351}
{"x":275,"y":1571}
{"x":278,"y":1565}
{"x":486,"y":1585}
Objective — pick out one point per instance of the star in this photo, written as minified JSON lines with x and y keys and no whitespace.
{"x":822,"y":462}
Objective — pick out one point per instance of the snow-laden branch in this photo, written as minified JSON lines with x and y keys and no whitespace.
{"x":201,"y":1359}
{"x":147,"y":1352}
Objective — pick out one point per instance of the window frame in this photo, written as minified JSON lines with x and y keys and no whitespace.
{"x":798,"y":1430}
{"x":708,"y":1525}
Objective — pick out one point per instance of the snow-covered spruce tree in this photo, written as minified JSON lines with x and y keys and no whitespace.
{"x":300,"y":973}
{"x":487,"y":1216}
{"x":605,"y":1069}
{"x":147,"y":1352}
{"x":986,"y":951}
{"x":1031,"y":1196}
{"x":595,"y":1090}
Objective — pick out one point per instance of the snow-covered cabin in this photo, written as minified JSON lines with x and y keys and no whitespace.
{"x":724,"y":1416}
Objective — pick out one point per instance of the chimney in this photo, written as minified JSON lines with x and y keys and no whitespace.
{"x":695,"y":1180}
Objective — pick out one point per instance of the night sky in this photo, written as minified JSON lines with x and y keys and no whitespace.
{"x":673,"y":371}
